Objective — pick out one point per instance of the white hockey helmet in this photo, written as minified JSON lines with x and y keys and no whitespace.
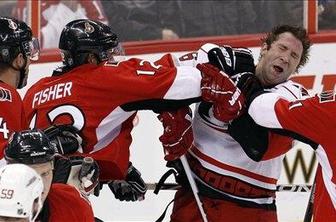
{"x":20,"y":189}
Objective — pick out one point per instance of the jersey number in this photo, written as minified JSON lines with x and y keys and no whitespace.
{"x":70,"y":110}
{"x":3,"y":128}
{"x":148,"y":72}
{"x":6,"y":194}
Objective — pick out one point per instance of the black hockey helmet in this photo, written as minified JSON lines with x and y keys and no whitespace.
{"x":83,"y":36}
{"x":15,"y":37}
{"x":29,"y":147}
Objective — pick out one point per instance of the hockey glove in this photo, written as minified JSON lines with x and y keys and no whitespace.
{"x":133,"y":188}
{"x":84,"y":175}
{"x":219,"y":89}
{"x":66,"y":138}
{"x":231,"y":60}
{"x":177,"y":135}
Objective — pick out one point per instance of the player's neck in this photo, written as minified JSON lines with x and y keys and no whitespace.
{"x":10,"y":77}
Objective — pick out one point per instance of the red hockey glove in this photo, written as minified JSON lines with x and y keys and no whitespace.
{"x":177,"y":136}
{"x":219,"y":89}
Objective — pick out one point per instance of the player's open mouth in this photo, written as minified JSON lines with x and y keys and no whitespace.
{"x":278,"y":69}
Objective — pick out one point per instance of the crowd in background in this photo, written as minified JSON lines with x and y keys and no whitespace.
{"x":136,"y":20}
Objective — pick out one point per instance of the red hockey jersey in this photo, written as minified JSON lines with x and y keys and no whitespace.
{"x":12,"y":117}
{"x":101,"y":101}
{"x":67,"y":204}
{"x":313,"y":118}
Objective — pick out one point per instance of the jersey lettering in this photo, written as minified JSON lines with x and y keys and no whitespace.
{"x":327,"y":96}
{"x":295,"y":105}
{"x":148,"y":72}
{"x":3,"y":128}
{"x":188,"y":56}
{"x":53,"y":92}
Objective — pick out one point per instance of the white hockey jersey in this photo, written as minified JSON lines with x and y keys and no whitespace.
{"x":220,"y":163}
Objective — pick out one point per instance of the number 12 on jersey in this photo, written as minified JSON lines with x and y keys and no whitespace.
{"x":151,"y":66}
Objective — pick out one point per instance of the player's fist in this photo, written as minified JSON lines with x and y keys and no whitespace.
{"x":219,"y":89}
{"x":84,"y":174}
{"x":177,"y":136}
{"x":65,"y":137}
{"x":133,"y":188}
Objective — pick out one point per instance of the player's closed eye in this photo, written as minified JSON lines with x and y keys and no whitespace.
{"x":47,"y":173}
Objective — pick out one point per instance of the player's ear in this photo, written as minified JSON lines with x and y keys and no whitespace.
{"x":92,"y":59}
{"x":263,"y":49}
{"x":18,"y":61}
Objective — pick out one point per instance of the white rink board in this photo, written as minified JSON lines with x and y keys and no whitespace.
{"x":147,"y":155}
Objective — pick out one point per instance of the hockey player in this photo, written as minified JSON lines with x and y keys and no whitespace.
{"x":233,"y":187}
{"x":61,"y":202}
{"x":311,"y":121}
{"x":21,"y":193}
{"x":100,"y":96}
{"x":17,"y":48}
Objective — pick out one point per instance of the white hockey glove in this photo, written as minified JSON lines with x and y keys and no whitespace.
{"x":84,"y":175}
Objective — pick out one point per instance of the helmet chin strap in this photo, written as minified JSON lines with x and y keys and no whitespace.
{"x":22,"y":71}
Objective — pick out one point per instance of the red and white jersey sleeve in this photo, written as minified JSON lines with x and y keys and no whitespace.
{"x":101,"y":101}
{"x":312,"y":118}
{"x":12,"y":116}
{"x":194,"y":58}
{"x":67,"y":204}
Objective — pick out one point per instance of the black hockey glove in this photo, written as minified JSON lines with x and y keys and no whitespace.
{"x":133,"y":188}
{"x":232,"y":60}
{"x":66,"y":138}
{"x":80,"y":172}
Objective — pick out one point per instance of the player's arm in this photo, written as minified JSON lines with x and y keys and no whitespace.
{"x":263,"y":112}
{"x":298,"y":119}
{"x":160,"y":86}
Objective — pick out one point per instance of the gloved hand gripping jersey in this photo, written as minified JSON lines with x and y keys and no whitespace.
{"x":66,"y":138}
{"x":226,"y":79}
{"x":80,"y":172}
{"x":177,"y":135}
